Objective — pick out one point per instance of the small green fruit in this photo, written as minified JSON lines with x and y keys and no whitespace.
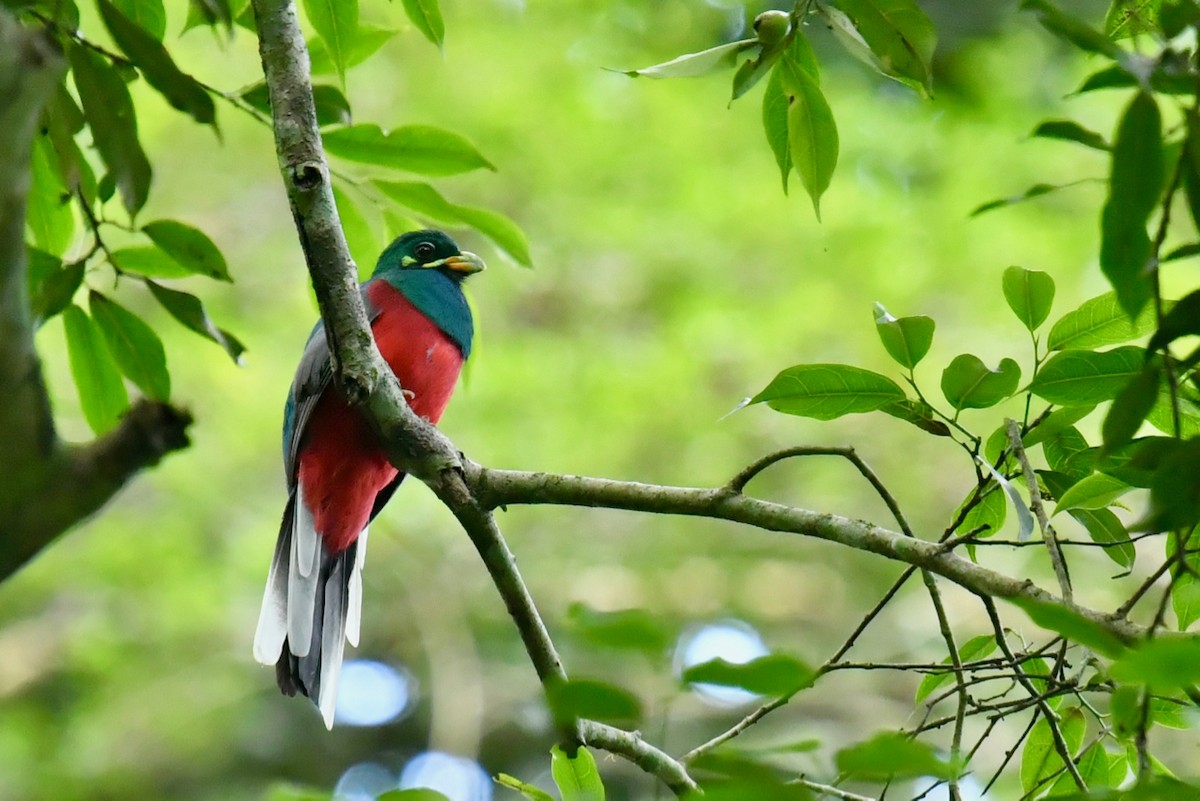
{"x":772,"y":26}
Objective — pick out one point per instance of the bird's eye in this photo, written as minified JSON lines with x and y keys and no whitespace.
{"x":424,"y":250}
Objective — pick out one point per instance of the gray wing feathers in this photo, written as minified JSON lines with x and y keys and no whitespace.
{"x":272,"y":620}
{"x":303,"y":577}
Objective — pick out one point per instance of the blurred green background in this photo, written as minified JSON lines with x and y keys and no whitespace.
{"x":672,"y":279}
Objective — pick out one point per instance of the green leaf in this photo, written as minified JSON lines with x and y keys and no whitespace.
{"x":1162,"y":418}
{"x":1030,"y":294}
{"x":1105,"y":528}
{"x":136,"y":348}
{"x":812,"y":134}
{"x":1185,"y":600}
{"x":1073,"y":30}
{"x":693,"y":65}
{"x":427,"y":202}
{"x":332,"y":106}
{"x":1134,"y":189}
{"x":368,"y":39}
{"x":1072,"y":625}
{"x":890,"y":755}
{"x":1038,"y":673}
{"x":415,"y":794}
{"x":336,"y":22}
{"x":413,"y":148}
{"x":527,"y":790}
{"x":1097,"y":491}
{"x":1039,"y":758}
{"x":1163,"y":79}
{"x":360,"y":234}
{"x":101,"y":391}
{"x":1070,"y":131}
{"x":584,"y":698}
{"x":48,"y":204}
{"x":973,"y":649}
{"x":1024,"y":516}
{"x":1175,"y":489}
{"x":1056,"y":422}
{"x":576,"y":777}
{"x":919,"y":414}
{"x":148,"y":260}
{"x":773,"y":674}
{"x":427,"y":18}
{"x":1189,"y":165}
{"x":1035,"y":191}
{"x":207,"y":12}
{"x":826,"y":391}
{"x":149,"y":15}
{"x":1096,"y":323}
{"x":899,"y":35}
{"x":56,"y":291}
{"x":1063,"y":452}
{"x":113,"y":123}
{"x":291,"y":792}
{"x":775,"y":122}
{"x":151,"y":58}
{"x":189,"y":247}
{"x":1081,"y":377}
{"x":188,"y":310}
{"x":1163,"y":663}
{"x":1131,"y":406}
{"x":1182,"y":320}
{"x":987,"y":516}
{"x":1127,"y":18}
{"x":906,"y":339}
{"x":626,"y":629}
{"x":968,"y":383}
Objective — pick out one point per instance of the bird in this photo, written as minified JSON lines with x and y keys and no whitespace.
{"x":338,"y":475}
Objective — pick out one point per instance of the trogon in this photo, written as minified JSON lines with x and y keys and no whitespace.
{"x":338,"y":476}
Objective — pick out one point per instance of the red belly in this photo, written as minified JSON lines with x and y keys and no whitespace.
{"x":342,"y":467}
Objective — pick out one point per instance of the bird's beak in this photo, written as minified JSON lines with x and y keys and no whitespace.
{"x":465,"y":262}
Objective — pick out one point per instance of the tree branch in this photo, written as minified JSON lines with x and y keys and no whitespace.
{"x":48,"y":486}
{"x":499,"y":488}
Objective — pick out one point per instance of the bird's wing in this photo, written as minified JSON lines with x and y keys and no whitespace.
{"x":313,"y":376}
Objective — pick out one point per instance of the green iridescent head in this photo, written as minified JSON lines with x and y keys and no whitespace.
{"x":429,"y":250}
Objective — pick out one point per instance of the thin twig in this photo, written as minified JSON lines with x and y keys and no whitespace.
{"x":1039,"y":511}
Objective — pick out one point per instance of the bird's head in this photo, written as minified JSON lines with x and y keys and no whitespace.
{"x":429,"y":250}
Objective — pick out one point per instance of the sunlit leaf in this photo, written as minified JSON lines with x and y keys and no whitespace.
{"x":1024,"y":516}
{"x":102,"y":394}
{"x":899,"y":35}
{"x":1096,"y":323}
{"x":413,"y":148}
{"x":826,"y":391}
{"x":1097,"y":491}
{"x":56,"y":291}
{"x":425,"y":201}
{"x":968,"y":383}
{"x":111,"y":119}
{"x":906,"y":339}
{"x":812,"y":134}
{"x":528,"y":790}
{"x":1030,"y":294}
{"x":134,"y":346}
{"x":775,"y":122}
{"x":919,"y":414}
{"x":368,"y":39}
{"x":1055,"y":422}
{"x":180,"y":90}
{"x":625,"y":629}
{"x":426,"y":16}
{"x":693,"y":65}
{"x":336,"y":22}
{"x":1080,"y":377}
{"x":1073,"y":30}
{"x":189,"y":247}
{"x":1126,"y":18}
{"x":1134,"y":189}
{"x":149,"y":15}
{"x":188,"y":310}
{"x":48,"y":204}
{"x":987,"y":516}
{"x":576,"y":777}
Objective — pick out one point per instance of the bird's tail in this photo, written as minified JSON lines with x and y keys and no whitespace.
{"x":311,"y":607}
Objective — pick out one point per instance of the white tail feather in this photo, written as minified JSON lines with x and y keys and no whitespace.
{"x":272,"y":620}
{"x":354,"y":603}
{"x":302,"y":586}
{"x":333,"y":644}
